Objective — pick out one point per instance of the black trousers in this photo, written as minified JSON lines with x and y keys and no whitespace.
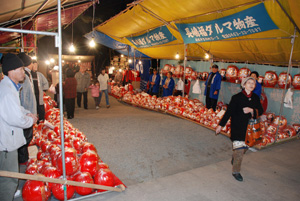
{"x":23,"y":154}
{"x":41,"y":112}
{"x":70,"y":107}
{"x":85,"y":100}
{"x":210,"y":102}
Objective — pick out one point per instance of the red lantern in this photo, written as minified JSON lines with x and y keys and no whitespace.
{"x":58,"y":190}
{"x":104,"y":177}
{"x":243,"y":72}
{"x":270,"y":79}
{"x":35,"y":191}
{"x":232,"y":73}
{"x":84,"y":177}
{"x":89,"y":162}
{"x":296,"y":81}
{"x":71,"y":161}
{"x":282,"y":80}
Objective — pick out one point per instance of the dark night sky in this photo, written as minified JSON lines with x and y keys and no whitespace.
{"x":82,"y":25}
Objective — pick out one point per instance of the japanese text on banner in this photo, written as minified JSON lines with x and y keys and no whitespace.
{"x":157,"y":36}
{"x":250,"y":21}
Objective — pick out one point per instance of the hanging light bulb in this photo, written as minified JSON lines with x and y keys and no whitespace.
{"x":122,"y":55}
{"x":79,"y":61}
{"x":72,"y":48}
{"x":52,"y":60}
{"x":140,"y":62}
{"x":206,"y":56}
{"x":177,"y":56}
{"x":92,"y":43}
{"x":34,"y":58}
{"x":47,"y":62}
{"x":130,"y":61}
{"x":120,"y":70}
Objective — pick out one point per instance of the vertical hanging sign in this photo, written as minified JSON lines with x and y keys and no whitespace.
{"x":253,"y":20}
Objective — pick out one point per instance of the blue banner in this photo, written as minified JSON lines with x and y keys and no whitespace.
{"x":158,"y":36}
{"x":250,"y":21}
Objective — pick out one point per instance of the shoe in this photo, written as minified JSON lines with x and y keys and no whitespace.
{"x":97,"y":107}
{"x":237,"y":176}
{"x":108,"y":106}
{"x":17,"y":194}
{"x":70,"y":117}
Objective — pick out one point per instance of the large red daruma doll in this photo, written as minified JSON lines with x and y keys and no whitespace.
{"x":282,"y":79}
{"x":205,"y":75}
{"x":166,"y":69}
{"x":172,"y":69}
{"x":270,"y":79}
{"x":296,"y":81}
{"x":243,"y":72}
{"x":188,"y":72}
{"x":232,"y":73}
{"x":179,"y":71}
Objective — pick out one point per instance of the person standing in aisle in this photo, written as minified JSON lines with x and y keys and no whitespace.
{"x":13,"y":119}
{"x":28,"y":101}
{"x":126,"y":76}
{"x":242,"y":107}
{"x":69,"y":90}
{"x":212,"y":88}
{"x":103,"y":80}
{"x":83,"y":82}
{"x":168,"y":85}
{"x":118,"y":78}
{"x":95,"y":91}
{"x":257,"y":89}
{"x":154,"y":81}
{"x":40,"y":84}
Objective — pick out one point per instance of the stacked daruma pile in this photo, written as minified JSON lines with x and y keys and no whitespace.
{"x":82,"y":161}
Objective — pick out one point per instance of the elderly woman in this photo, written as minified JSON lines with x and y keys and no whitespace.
{"x":242,"y":107}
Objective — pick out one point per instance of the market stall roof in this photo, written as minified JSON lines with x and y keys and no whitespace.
{"x":272,"y":46}
{"x":46,"y":21}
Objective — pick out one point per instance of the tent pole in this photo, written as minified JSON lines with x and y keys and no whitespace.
{"x":22,"y":37}
{"x":286,"y":81}
{"x":184,"y":66}
{"x":61,"y":109}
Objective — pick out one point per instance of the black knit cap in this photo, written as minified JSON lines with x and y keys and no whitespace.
{"x":25,"y":58}
{"x":11,"y":62}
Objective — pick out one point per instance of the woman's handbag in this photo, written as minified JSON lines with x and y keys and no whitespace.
{"x":253,"y":134}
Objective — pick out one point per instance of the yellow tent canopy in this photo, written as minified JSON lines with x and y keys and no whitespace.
{"x":272,"y":47}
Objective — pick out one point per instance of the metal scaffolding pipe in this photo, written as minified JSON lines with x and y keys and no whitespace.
{"x":61,"y":109}
{"x":286,"y":80}
{"x":29,"y":31}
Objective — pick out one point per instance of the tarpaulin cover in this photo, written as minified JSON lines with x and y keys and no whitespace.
{"x":46,"y":22}
{"x":114,"y":44}
{"x":271,"y":46}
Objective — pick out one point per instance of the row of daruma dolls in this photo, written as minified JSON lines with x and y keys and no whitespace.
{"x":235,"y":75}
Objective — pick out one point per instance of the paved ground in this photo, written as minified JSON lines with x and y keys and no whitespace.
{"x":160,"y":157}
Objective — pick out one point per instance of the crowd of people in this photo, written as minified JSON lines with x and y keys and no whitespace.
{"x":21,"y":106}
